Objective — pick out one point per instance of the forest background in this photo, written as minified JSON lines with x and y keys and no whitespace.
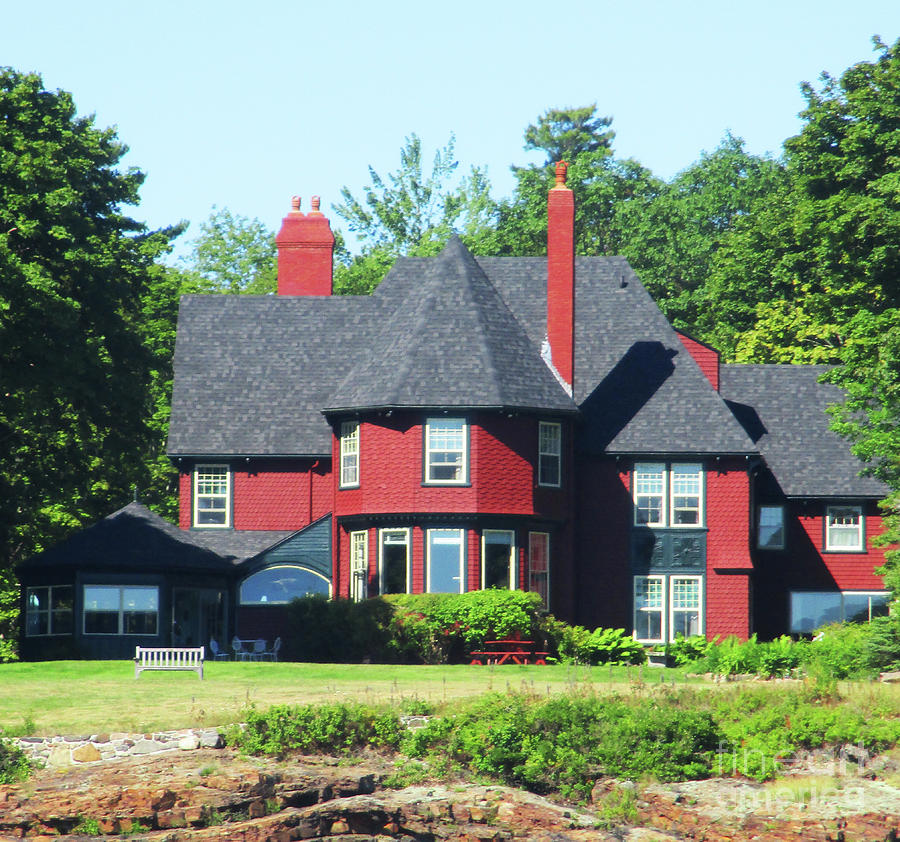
{"x":793,"y":258}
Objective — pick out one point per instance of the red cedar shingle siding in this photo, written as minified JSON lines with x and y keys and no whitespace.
{"x":727,"y":604}
{"x":707,"y":358}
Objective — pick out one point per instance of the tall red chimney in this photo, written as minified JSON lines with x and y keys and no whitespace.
{"x":561,"y":277}
{"x":305,"y":252}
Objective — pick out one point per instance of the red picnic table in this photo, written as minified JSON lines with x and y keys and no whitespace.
{"x":510,"y":650}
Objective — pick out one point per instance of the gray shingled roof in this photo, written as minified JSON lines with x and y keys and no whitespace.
{"x":132,"y":538}
{"x":783,"y":408}
{"x":453,"y":342}
{"x":639,"y":389}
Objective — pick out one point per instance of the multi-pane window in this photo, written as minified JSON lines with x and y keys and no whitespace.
{"x":444,"y":549}
{"x":48,"y":610}
{"x":359,"y":565}
{"x":121,"y":610}
{"x":349,"y":454}
{"x":770,"y":528}
{"x":394,"y":558}
{"x":668,"y":495}
{"x":212,"y":495}
{"x":667,"y":606}
{"x":446,"y":446}
{"x":844,"y":528}
{"x":811,"y":610}
{"x":539,"y":566}
{"x":498,"y":551}
{"x":549,"y":454}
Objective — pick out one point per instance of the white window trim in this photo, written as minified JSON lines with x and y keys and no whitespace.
{"x":759,"y":509}
{"x":511,"y":584}
{"x":860,"y":531}
{"x":667,"y":508}
{"x":557,"y":455}
{"x":545,"y":538}
{"x":349,"y":464}
{"x":208,"y":468}
{"x":408,"y":544}
{"x":464,"y":471}
{"x":663,"y":620}
{"x":462,"y":557}
{"x":671,"y":594}
{"x":359,"y":565}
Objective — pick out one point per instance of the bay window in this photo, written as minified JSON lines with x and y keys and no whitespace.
{"x":446,"y":451}
{"x":498,"y":553}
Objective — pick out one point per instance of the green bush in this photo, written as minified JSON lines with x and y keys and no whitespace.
{"x":14,"y":765}
{"x":310,"y":729}
{"x":601,"y":646}
{"x":883,"y":644}
{"x":337,"y":631}
{"x":688,"y":650}
{"x":841,"y":651}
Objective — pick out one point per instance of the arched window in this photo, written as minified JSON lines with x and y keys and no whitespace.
{"x":279,"y":585}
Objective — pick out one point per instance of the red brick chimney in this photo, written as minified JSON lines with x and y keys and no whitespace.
{"x":561,"y":277}
{"x":305,"y":252}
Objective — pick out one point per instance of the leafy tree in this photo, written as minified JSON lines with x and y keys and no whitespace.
{"x":785,"y":286}
{"x":76,"y":359}
{"x":410,"y":212}
{"x":231,"y":254}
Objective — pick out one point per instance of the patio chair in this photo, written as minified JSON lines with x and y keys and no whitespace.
{"x":273,"y":652}
{"x":218,"y":654}
{"x":238,"y":647}
{"x":259,"y":648}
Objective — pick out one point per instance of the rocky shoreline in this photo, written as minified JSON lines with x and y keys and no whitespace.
{"x":203,"y":794}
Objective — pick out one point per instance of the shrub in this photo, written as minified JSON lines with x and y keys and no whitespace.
{"x":326,"y":729}
{"x":883,"y":643}
{"x":841,"y":650}
{"x":14,"y":765}
{"x":687,"y":650}
{"x":338,"y":631}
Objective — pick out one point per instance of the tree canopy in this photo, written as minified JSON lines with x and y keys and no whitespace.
{"x":77,"y":359}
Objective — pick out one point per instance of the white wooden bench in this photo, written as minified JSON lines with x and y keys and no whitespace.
{"x":168,"y":658}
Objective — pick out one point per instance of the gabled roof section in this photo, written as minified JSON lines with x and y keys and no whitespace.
{"x":638,"y":387}
{"x":784,"y":408}
{"x":134,"y":539}
{"x":310,"y":547}
{"x":450,"y":341}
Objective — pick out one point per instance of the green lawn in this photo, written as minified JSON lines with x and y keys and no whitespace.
{"x":85,"y":697}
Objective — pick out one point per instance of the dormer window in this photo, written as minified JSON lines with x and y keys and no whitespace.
{"x":446,"y":451}
{"x":212,"y":495}
{"x":350,"y":454}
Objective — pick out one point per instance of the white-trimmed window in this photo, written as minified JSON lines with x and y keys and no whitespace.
{"x":359,"y":565}
{"x":48,"y":610}
{"x":811,"y":610}
{"x":393,"y":561}
{"x":349,"y":454}
{"x":281,"y":583}
{"x":444,"y":558}
{"x":212,"y":495}
{"x":666,"y":606}
{"x":668,"y":495}
{"x":844,"y":528}
{"x":128,"y":610}
{"x":549,"y":454}
{"x":498,"y":555}
{"x":770,"y":527}
{"x":446,"y":451}
{"x":539,"y":565}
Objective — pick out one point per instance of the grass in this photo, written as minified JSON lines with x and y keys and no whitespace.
{"x":88,"y":697}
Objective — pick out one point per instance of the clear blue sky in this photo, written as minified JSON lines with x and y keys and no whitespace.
{"x":243,"y":105}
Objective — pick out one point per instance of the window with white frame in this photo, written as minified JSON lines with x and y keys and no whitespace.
{"x":668,"y":494}
{"x":539,"y":566}
{"x":498,"y":553}
{"x":844,"y":528}
{"x":770,"y":527}
{"x":666,"y":606}
{"x":359,"y":565}
{"x":444,"y":559}
{"x":811,"y":610}
{"x":48,"y":610}
{"x":212,"y":495}
{"x":446,"y":451}
{"x":393,"y":557}
{"x":549,"y":454}
{"x":128,"y":610}
{"x":349,"y":454}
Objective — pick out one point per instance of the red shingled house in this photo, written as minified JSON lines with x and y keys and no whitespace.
{"x":530,"y":423}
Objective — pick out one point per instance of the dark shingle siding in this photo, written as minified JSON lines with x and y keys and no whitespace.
{"x":784,"y":406}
